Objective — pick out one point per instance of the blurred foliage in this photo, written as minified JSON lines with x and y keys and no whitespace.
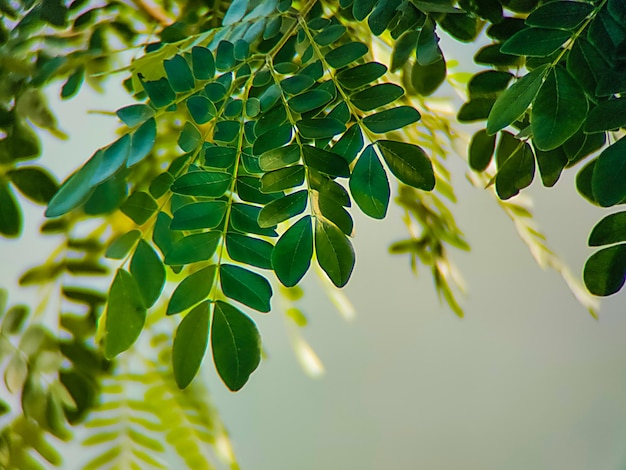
{"x":254,"y":130}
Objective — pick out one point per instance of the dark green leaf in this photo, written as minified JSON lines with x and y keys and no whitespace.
{"x":236,"y":345}
{"x":219,"y":156}
{"x":491,"y":55}
{"x":376,"y":96}
{"x":280,"y":157}
{"x":551,"y":165}
{"x":245,"y":286}
{"x":120,"y":247}
{"x":125,"y":314}
{"x":160,"y":92}
{"x":464,"y":27}
{"x":249,"y":250}
{"x":284,"y":178}
{"x":561,"y":14}
{"x":391,"y":119}
{"x":320,"y":128}
{"x":362,"y":8}
{"x":334,"y":212}
{"x":382,"y":15}
{"x":35,"y":183}
{"x":361,"y":75}
{"x":249,"y":190}
{"x":605,"y":270}
{"x":558,"y":111}
{"x":535,"y":42}
{"x":242,"y":49}
{"x":112,"y":160}
{"x":143,"y":140}
{"x":179,"y":74}
{"x":149,"y":272}
{"x":202,"y":183}
{"x":10,"y":214}
{"x":512,"y":104}
{"x":135,"y":114}
{"x":581,"y":145}
{"x":162,"y":235}
{"x":54,"y":12}
{"x":292,"y":254}
{"x":324,"y":161}
{"x":107,"y":196}
{"x":272,"y":139}
{"x":225,"y":56}
{"x":403,"y":49}
{"x":203,"y":63}
{"x":369,"y":185}
{"x":309,"y":100}
{"x":516,"y":172}
{"x":334,"y":252}
{"x":190,"y":342}
{"x":586,"y":64}
{"x":609,"y":175}
{"x":607,"y":115}
{"x":425,"y":79}
{"x":73,"y":83}
{"x":244,"y":218}
{"x":282,"y":209}
{"x":477,"y":109}
{"x":488,"y":84}
{"x":190,"y":138}
{"x":296,"y":84}
{"x":350,"y":143}
{"x":215,"y":91}
{"x":427,"y":51}
{"x":199,"y":215}
{"x":611,"y":229}
{"x":408,"y":163}
{"x":583,"y":182}
{"x":192,"y":248}
{"x":481,"y":150}
{"x":139,"y":207}
{"x":346,"y":54}
{"x":193,"y":289}
{"x":201,"y":109}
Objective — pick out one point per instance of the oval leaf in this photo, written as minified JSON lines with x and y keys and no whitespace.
{"x":369,"y":185}
{"x":245,"y":286}
{"x":334,"y":252}
{"x":292,"y":254}
{"x":605,"y":270}
{"x":190,"y":342}
{"x":408,"y":163}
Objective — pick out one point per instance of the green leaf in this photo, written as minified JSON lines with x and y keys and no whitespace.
{"x":606,"y":116}
{"x":309,"y":100}
{"x":199,"y":215}
{"x":361,"y":75}
{"x":203,"y":63}
{"x":75,"y":190}
{"x":481,"y":150}
{"x":346,"y":54}
{"x":369,"y":185}
{"x":609,"y":175}
{"x":427,"y":51}
{"x":125,"y":314}
{"x":320,"y":128}
{"x":143,"y":141}
{"x":10,"y":214}
{"x":324,"y":161}
{"x":350,"y":143}
{"x":514,"y":101}
{"x":477,"y":109}
{"x":282,"y":209}
{"x":201,"y":109}
{"x":605,"y":271}
{"x":391,"y":119}
{"x":135,"y":114}
{"x":334,"y":252}
{"x":280,"y":157}
{"x":488,"y":84}
{"x":243,"y":218}
{"x":162,"y":235}
{"x":403,"y":49}
{"x":516,"y":172}
{"x":292,"y":253}
{"x":235,"y":12}
{"x":272,"y":139}
{"x":112,"y":160}
{"x":558,"y":111}
{"x":190,"y":342}
{"x":551,"y":164}
{"x":35,"y":183}
{"x":561,"y":14}
{"x":535,"y":42}
{"x":249,"y":250}
{"x":425,"y":79}
{"x":160,"y":92}
{"x":376,"y":96}
{"x":147,"y":268}
{"x":362,"y":8}
{"x":611,"y":229}
{"x":330,"y":34}
{"x":491,"y":55}
{"x":219,"y":156}
{"x":193,"y":248}
{"x":236,"y":345}
{"x":202,"y":183}
{"x":192,"y":290}
{"x":583,"y":182}
{"x":408,"y":163}
{"x":189,"y":138}
{"x":120,"y":247}
{"x":139,"y":207}
{"x":464,"y":27}
{"x":225,"y":56}
{"x":296,"y":84}
{"x":334,"y":212}
{"x":285,"y":178}
{"x":245,"y":286}
{"x":73,"y":83}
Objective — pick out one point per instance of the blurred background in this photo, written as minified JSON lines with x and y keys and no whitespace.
{"x":527,"y":380}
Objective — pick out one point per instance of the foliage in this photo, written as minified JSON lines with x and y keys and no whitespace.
{"x":255,"y":127}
